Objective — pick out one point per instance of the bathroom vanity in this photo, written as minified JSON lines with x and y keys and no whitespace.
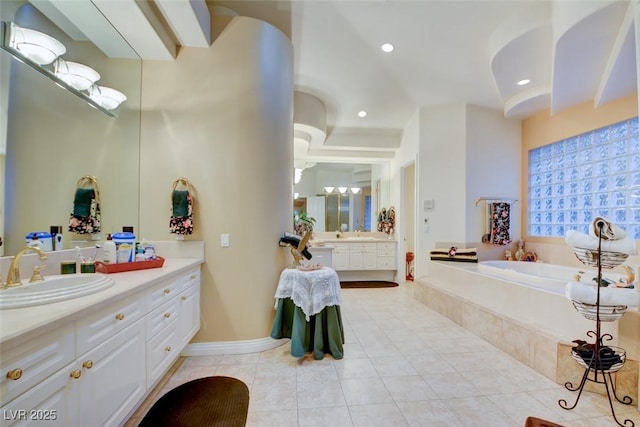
{"x":358,"y":258}
{"x":90,"y":361}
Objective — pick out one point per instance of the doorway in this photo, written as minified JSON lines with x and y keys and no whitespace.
{"x":408,"y":184}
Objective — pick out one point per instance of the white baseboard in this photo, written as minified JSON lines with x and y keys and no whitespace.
{"x":232,"y":347}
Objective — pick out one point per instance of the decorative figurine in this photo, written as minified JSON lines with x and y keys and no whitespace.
{"x":507,"y":255}
{"x":520,"y":254}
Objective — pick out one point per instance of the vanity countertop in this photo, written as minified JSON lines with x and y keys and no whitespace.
{"x":354,"y":240}
{"x":17,"y":322}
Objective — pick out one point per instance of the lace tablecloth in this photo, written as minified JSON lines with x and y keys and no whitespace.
{"x":312,"y":291}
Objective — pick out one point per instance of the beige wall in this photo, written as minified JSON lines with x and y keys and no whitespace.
{"x":222,"y":117}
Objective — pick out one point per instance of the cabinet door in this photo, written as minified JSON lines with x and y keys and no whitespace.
{"x":53,"y":402}
{"x":113,"y":378}
{"x":356,"y":259}
{"x":370,"y":258}
{"x":340,"y":256}
{"x":189,"y":314}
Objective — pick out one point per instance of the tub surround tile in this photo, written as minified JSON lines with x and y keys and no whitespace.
{"x":516,"y":341}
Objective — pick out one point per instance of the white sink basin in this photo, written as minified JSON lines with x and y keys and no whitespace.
{"x":53,"y":289}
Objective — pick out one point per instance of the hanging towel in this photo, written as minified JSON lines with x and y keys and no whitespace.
{"x":85,"y":215}
{"x":181,"y":221}
{"x":500,"y":220}
{"x":576,"y":239}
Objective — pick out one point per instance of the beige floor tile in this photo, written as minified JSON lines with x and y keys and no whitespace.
{"x":450,"y":385}
{"x":382,"y":415}
{"x":409,"y":388}
{"x":393,"y":366}
{"x":433,"y":413}
{"x":287,"y":418}
{"x":315,"y":370}
{"x":365,"y":391}
{"x":320,"y":394}
{"x":316,"y":417}
{"x":355,"y":368}
{"x":272,"y":396}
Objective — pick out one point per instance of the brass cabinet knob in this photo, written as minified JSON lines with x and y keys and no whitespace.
{"x":75,"y":374}
{"x":167,"y":315}
{"x":88,"y":364}
{"x":14,"y":374}
{"x":167,"y":348}
{"x":120,"y":316}
{"x":193,"y":276}
{"x":166,"y":291}
{"x":183,"y":298}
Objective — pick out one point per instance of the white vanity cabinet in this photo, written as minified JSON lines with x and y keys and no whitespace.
{"x":94,"y":369}
{"x":348,"y":256}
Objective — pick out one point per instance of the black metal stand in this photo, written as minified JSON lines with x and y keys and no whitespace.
{"x":600,"y":373}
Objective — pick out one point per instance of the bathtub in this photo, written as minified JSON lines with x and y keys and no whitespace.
{"x":546,"y":277}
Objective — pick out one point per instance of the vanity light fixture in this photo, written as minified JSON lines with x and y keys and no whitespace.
{"x":342,"y":190}
{"x":355,"y":190}
{"x":35,"y":46}
{"x":329,"y":189}
{"x":78,"y":76}
{"x":106,"y":97}
{"x":297,"y":175}
{"x":523,"y":82}
{"x":362,"y":113}
{"x":387,"y":47}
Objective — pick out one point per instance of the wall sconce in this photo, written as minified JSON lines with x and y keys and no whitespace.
{"x":295,"y":195}
{"x":329,"y":189}
{"x":342,"y":190}
{"x":355,"y":190}
{"x":297,"y":175}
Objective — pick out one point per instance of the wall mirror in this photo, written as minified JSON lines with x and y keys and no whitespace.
{"x":50,"y":138}
{"x":343,"y":196}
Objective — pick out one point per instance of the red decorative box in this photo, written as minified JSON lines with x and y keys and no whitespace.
{"x":101,"y":267}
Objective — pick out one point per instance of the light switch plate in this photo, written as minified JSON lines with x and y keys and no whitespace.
{"x":224,"y":240}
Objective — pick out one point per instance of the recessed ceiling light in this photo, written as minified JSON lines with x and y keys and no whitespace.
{"x":387,"y":47}
{"x":523,"y":82}
{"x":362,"y":113}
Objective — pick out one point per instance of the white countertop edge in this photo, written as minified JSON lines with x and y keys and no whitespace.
{"x":23,"y":323}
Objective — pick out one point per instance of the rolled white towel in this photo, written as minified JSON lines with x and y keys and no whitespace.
{"x":576,"y":239}
{"x":586,"y":293}
{"x":610,"y":231}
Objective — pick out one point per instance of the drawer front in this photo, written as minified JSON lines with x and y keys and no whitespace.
{"x":341,"y":246}
{"x":162,"y":317}
{"x":389,"y":247}
{"x":189,"y":279}
{"x":163,"y":292}
{"x":162,"y":351}
{"x":97,"y":328}
{"x":386,"y":252}
{"x":386,"y":263}
{"x":360,"y":247}
{"x":29,"y":363}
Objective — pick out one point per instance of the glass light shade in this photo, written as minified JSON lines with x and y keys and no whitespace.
{"x":34,"y":45}
{"x":297,"y":175}
{"x":107,"y":97}
{"x":295,"y":195}
{"x":76,"y":75}
{"x":329,"y":189}
{"x":342,"y":190}
{"x":355,"y":190}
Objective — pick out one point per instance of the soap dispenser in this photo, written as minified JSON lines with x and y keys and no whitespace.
{"x":109,"y":251}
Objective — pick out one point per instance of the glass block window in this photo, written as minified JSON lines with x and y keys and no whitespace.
{"x":593,"y":174}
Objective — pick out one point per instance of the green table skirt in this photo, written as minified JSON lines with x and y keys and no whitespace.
{"x":323,"y":333}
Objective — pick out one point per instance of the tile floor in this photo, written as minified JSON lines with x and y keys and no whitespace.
{"x":404,"y":365}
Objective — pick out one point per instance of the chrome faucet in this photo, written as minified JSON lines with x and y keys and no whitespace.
{"x":13,"y":278}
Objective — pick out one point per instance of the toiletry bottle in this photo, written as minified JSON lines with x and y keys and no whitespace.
{"x":149,"y":251}
{"x":109,"y":251}
{"x":56,"y":235}
{"x":139,"y":253}
{"x":35,"y":242}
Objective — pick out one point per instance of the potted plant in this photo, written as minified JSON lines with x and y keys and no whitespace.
{"x":303,"y":223}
